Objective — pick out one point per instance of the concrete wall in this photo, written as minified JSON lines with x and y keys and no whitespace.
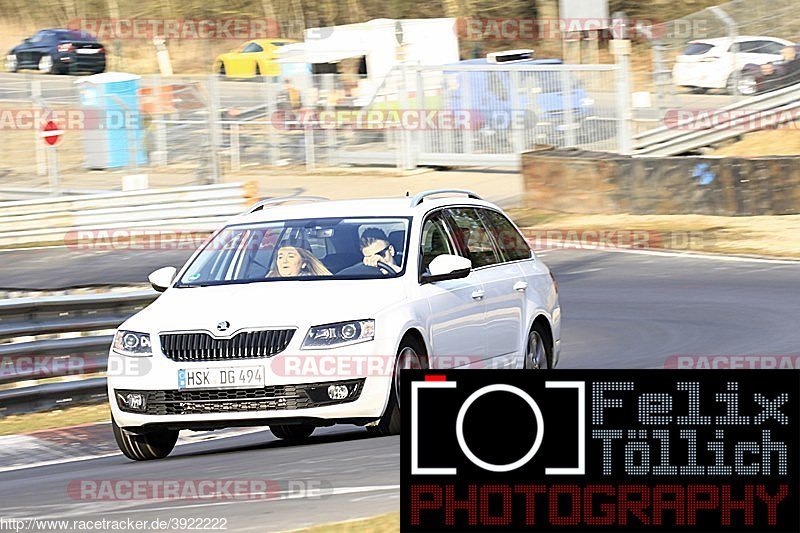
{"x":595,"y":182}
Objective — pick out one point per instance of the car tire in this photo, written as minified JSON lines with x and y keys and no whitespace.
{"x":293,"y":432}
{"x":46,"y":64}
{"x":538,"y":354}
{"x":744,"y":85}
{"x":144,"y":446}
{"x":12,"y":63}
{"x":411,"y":354}
{"x":258,"y":70}
{"x":222,"y":69}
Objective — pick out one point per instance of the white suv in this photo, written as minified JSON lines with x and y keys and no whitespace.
{"x":295,"y":316}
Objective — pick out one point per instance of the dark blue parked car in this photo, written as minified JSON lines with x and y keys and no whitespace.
{"x":58,"y":51}
{"x":513,"y":96}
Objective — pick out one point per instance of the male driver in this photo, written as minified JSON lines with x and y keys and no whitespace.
{"x":375,"y":246}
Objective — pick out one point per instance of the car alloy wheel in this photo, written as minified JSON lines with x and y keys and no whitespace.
{"x":45,"y":64}
{"x":747,"y":85}
{"x":11,"y":63}
{"x":144,"y":446}
{"x":410,"y":355}
{"x":536,"y":352}
{"x":408,"y":359}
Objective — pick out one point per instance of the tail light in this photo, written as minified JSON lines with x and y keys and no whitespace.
{"x":555,"y":283}
{"x":101,"y":50}
{"x":65,"y":47}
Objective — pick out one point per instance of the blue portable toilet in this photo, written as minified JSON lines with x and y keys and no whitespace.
{"x":113,"y":134}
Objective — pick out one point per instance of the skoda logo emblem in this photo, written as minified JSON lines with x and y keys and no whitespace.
{"x":223,"y":326}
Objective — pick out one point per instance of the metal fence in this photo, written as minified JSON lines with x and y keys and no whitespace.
{"x":199,"y":130}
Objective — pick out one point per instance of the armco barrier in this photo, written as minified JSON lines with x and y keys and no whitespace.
{"x":57,"y":358}
{"x":594,"y":182}
{"x":49,"y":221}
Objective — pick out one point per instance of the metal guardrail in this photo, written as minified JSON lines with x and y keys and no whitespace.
{"x":82,"y":357}
{"x":717,"y":126}
{"x":59,"y":220}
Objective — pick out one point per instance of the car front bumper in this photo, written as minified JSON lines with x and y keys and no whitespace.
{"x":295,"y":382}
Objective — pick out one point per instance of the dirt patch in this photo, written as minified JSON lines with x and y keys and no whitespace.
{"x":769,"y":236}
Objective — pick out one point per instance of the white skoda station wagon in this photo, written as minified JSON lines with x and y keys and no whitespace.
{"x":301,"y":312}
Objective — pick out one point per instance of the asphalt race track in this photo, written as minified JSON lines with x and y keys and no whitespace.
{"x":621,"y":310}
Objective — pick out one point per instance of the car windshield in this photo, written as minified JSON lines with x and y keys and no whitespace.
{"x":303,"y":249}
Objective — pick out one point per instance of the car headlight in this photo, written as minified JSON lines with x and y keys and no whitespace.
{"x":339,"y":334}
{"x":132,"y":344}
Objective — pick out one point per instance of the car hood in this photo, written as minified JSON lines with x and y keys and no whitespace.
{"x":270,"y":304}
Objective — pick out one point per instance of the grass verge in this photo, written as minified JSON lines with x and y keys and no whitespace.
{"x":377,"y":524}
{"x":776,"y":236}
{"x":71,"y":416}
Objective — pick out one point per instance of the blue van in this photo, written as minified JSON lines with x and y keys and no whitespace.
{"x":540,"y":99}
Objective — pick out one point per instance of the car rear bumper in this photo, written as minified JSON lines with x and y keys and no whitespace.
{"x":74,"y":62}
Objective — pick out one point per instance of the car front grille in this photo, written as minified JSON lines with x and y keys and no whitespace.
{"x":201,"y":346}
{"x":272,"y":398}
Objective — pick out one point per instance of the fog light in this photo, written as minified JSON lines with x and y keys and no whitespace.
{"x":337,"y":392}
{"x":134,"y":401}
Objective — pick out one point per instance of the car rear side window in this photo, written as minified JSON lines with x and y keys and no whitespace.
{"x":696,"y":49}
{"x":252,"y":47}
{"x":772,"y":47}
{"x":513,"y":246}
{"x":472,"y":237}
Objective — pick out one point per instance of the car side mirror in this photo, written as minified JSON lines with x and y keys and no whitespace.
{"x":447,"y":266}
{"x":162,"y":278}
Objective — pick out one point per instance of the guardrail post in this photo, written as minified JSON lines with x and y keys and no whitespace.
{"x":517,"y":133}
{"x":330,"y":130}
{"x":733,"y":33}
{"x":621,"y":48}
{"x":569,"y":107}
{"x":213,"y":127}
{"x":420,"y":144}
{"x":160,"y":155}
{"x":308,"y":141}
{"x":41,"y":156}
{"x":273,"y":150}
{"x":235,"y":157}
{"x":405,"y":135}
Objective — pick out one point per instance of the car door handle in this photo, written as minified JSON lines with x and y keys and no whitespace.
{"x":520,"y":286}
{"x":478,"y":294}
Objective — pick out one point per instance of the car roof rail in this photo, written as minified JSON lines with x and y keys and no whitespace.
{"x":418,"y":198}
{"x":269,"y":202}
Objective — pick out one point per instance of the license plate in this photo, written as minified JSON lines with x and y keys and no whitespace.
{"x":87,"y":50}
{"x":203,"y":378}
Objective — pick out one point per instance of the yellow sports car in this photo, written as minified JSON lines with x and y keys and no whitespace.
{"x":253,"y":58}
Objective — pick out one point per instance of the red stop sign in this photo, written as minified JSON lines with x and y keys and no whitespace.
{"x":51,"y":133}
